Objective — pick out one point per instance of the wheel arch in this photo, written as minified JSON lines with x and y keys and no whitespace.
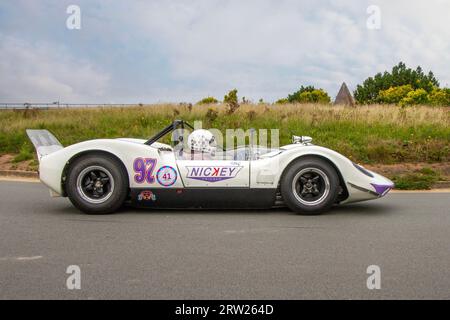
{"x":85,"y":153}
{"x":343,"y":195}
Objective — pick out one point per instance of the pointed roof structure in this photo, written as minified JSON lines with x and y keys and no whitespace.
{"x":344,"y":96}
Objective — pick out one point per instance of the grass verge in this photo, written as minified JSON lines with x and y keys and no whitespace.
{"x":422,"y":179}
{"x":366,"y":134}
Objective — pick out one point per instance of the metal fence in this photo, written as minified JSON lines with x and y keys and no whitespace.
{"x":47,"y":106}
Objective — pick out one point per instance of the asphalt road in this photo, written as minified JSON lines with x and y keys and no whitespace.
{"x":223,"y":254}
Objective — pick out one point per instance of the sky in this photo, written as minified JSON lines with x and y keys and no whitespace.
{"x":155,"y":51}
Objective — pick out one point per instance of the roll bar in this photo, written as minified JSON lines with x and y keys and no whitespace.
{"x":172,"y":127}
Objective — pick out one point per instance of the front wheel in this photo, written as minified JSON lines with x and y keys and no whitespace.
{"x":310,"y":186}
{"x":97,"y":184}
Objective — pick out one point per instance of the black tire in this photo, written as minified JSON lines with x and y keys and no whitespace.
{"x":310,"y":186}
{"x":88,"y":175}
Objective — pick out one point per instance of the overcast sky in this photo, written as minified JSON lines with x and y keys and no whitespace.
{"x":174,"y":51}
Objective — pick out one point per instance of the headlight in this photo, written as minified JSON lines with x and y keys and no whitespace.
{"x":363,"y":170}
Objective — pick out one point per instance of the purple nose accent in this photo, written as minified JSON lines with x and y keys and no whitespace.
{"x":382,"y":189}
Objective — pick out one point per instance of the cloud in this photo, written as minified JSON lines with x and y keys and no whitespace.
{"x":268,"y":48}
{"x":148,"y":51}
{"x":45,"y":73}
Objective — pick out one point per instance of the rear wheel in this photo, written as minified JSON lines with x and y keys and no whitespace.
{"x":97,"y":184}
{"x":310,"y":186}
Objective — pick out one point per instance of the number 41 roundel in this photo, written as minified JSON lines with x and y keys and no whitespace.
{"x":166,"y":176}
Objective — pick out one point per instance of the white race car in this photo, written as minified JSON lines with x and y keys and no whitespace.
{"x":99,"y":176}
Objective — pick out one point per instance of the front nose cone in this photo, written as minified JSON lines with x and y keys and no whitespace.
{"x":382,"y":189}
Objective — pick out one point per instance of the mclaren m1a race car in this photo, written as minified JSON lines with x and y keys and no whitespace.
{"x":99,"y":176}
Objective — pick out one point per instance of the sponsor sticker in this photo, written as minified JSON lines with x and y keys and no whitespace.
{"x":166,"y":176}
{"x":146,"y":195}
{"x":213,"y":173}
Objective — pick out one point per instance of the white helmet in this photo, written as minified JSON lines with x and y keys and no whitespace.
{"x":202,"y":141}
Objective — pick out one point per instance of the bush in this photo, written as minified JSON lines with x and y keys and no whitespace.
{"x":400,"y":75}
{"x":440,"y":97}
{"x":394,"y":95}
{"x":231,"y":99}
{"x":316,"y":96}
{"x":309,"y":94}
{"x":24,"y":154}
{"x":421,"y":179}
{"x":419,"y":96}
{"x":208,"y":100}
{"x":282,"y":101}
{"x":211,"y":115}
{"x":295,"y":97}
{"x":406,"y":95}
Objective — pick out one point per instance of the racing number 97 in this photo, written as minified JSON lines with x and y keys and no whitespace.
{"x":144,"y":169}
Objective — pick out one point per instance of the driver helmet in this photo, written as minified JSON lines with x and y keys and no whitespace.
{"x":202,"y":140}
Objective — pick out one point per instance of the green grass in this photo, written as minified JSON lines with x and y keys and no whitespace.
{"x":419,"y":180}
{"x":24,"y":154}
{"x":367,"y":134}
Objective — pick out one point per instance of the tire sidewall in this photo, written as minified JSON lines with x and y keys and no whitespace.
{"x":119,"y":194}
{"x":286,"y":186}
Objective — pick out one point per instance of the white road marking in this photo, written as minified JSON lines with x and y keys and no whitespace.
{"x":29,"y":258}
{"x":21,"y":258}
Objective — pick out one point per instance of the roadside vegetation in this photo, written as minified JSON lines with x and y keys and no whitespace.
{"x":367,"y":134}
{"x":421,"y":179}
{"x":402,"y":116}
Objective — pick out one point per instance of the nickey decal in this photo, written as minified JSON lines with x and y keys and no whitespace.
{"x":213,"y":173}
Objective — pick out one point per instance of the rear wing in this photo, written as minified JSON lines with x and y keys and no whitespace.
{"x":44,"y":142}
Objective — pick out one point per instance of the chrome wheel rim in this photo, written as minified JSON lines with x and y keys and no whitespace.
{"x":310,"y":186}
{"x":95,"y":184}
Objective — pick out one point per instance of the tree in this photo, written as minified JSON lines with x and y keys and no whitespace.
{"x":231,"y":99}
{"x":309,"y":94}
{"x":400,"y":75}
{"x":295,"y":97}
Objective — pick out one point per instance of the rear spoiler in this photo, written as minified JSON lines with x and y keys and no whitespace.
{"x":44,"y":142}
